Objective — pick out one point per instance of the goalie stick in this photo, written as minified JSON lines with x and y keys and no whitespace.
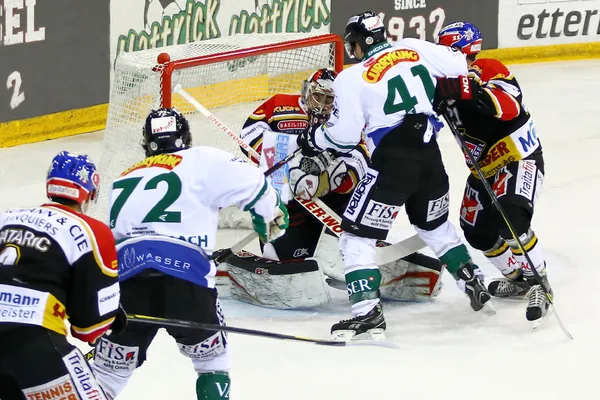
{"x":494,"y":198}
{"x":144,"y":319}
{"x":316,"y":207}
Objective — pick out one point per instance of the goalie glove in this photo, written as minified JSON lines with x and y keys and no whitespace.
{"x":271,"y":230}
{"x":314,"y":177}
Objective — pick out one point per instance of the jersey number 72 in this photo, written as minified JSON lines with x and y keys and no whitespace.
{"x":159,"y":212}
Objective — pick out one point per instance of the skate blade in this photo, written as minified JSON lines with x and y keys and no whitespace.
{"x":488,"y":309}
{"x":538,"y":322}
{"x":349,"y":335}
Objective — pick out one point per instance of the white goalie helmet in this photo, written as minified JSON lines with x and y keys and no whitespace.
{"x":317,"y":92}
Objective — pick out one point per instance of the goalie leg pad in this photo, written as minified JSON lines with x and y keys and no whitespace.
{"x":412,"y":278}
{"x":277,"y":284}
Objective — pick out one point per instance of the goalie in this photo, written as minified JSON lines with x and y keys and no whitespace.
{"x":289,"y":273}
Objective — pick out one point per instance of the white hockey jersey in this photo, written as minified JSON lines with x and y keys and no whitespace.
{"x":166,"y":210}
{"x":389,"y":83}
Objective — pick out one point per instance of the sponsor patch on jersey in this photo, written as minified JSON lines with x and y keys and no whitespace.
{"x":116,"y":357}
{"x":476,"y":146}
{"x":383,"y":63}
{"x":166,"y":161}
{"x":108,"y":299}
{"x":292,"y":125}
{"x":20,"y":305}
{"x":59,"y":389}
{"x":286,"y":109}
{"x":438,"y":207}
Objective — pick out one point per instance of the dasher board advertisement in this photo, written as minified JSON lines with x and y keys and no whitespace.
{"x":422,"y":19}
{"x":548,"y":22}
{"x":142,"y":24}
{"x":54,"y":56}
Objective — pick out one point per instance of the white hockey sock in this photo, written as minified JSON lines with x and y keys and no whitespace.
{"x":502,"y":258}
{"x":534,"y":250}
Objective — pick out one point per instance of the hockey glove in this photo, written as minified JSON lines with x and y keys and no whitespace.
{"x":448,"y":89}
{"x":120,"y":323}
{"x":269,"y":231}
{"x":307,"y":144}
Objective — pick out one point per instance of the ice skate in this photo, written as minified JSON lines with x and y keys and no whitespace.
{"x":538,"y":304}
{"x":369,"y":326}
{"x":472,"y":279}
{"x":507,"y":287}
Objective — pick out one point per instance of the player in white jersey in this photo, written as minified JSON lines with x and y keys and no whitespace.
{"x":164,"y":216}
{"x":290,"y":272}
{"x":389,"y":93}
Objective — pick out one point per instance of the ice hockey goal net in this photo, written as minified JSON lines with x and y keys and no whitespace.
{"x":230,"y":76}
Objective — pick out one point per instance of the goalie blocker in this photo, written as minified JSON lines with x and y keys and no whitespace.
{"x":304,"y":283}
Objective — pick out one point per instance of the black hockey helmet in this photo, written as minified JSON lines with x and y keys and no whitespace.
{"x":365,"y":29}
{"x":166,"y":130}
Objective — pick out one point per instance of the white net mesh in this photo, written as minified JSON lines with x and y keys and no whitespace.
{"x":229,"y":89}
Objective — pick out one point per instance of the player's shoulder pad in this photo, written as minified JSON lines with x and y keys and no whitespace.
{"x":103,"y":246}
{"x":488,"y":69}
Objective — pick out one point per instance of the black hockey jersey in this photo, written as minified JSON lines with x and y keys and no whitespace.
{"x":57,"y":264}
{"x":497,"y":127}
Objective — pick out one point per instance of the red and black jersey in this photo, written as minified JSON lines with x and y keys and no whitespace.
{"x":281,"y":113}
{"x":57,"y":264}
{"x":496,"y":125}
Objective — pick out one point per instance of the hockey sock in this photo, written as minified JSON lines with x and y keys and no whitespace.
{"x":213,"y":386}
{"x":363,"y":289}
{"x":456,"y":258}
{"x":503,"y":259}
{"x":534,"y":250}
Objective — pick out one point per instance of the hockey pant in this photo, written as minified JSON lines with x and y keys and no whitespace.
{"x":517,"y":187}
{"x":158,"y":295}
{"x":405,"y":172}
{"x":36,"y":363}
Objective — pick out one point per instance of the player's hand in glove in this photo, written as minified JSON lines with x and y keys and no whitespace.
{"x":306,"y":142}
{"x":448,"y":89}
{"x":269,"y":231}
{"x":312,"y":177}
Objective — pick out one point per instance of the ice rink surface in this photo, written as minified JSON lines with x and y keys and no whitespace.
{"x":447,"y":351}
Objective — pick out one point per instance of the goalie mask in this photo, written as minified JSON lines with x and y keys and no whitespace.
{"x":166,"y":131}
{"x":317,"y":93}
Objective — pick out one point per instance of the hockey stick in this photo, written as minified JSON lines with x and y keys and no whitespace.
{"x":316,"y":207}
{"x":500,"y":209}
{"x":144,"y":319}
{"x":228,"y":253}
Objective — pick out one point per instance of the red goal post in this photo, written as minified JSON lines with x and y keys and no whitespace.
{"x":168,"y":66}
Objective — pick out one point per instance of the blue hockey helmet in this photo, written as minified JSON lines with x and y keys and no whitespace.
{"x":72,"y":176}
{"x":463,"y":36}
{"x":365,"y":29}
{"x":166,"y":130}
